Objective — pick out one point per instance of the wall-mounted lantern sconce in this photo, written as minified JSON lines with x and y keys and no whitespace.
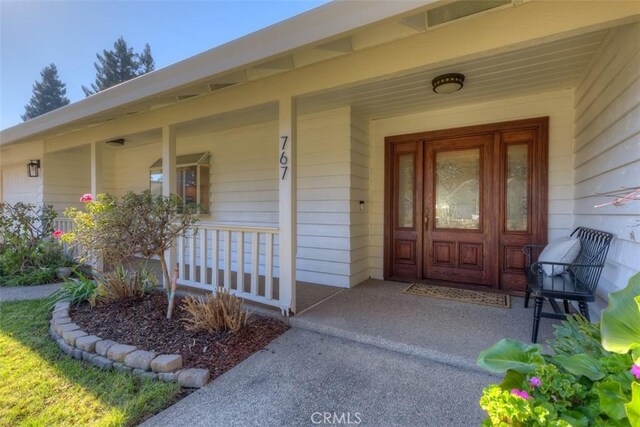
{"x":33,"y":168}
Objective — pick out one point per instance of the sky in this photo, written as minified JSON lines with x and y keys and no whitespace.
{"x":34,"y":34}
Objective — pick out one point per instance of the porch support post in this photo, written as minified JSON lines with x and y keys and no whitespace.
{"x":169,"y":184}
{"x":96,"y":169}
{"x":287,"y":203}
{"x":96,"y":188}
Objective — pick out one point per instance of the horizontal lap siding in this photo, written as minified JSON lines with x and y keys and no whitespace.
{"x":324,"y":198}
{"x":16,"y":185}
{"x":68,"y":177}
{"x":607,"y":150}
{"x":360,"y":192}
{"x":557,"y":105}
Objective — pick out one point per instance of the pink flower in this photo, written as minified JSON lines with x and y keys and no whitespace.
{"x":86,"y":198}
{"x":57,"y":233}
{"x":534,"y":382}
{"x":635,"y":370}
{"x":523,"y":394}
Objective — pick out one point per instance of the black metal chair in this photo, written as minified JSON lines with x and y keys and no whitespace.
{"x":577,"y":283}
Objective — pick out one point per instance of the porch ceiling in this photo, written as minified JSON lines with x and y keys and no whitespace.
{"x":541,"y":68}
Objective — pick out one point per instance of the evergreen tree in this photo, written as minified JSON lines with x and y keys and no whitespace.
{"x":119,"y":65}
{"x":48,"y":94}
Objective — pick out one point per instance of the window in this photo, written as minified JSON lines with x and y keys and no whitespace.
{"x":192,"y":180}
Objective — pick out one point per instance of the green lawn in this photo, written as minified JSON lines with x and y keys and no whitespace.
{"x":40,"y":386}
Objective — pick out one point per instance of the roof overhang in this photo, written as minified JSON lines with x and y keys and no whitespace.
{"x":325,"y":23}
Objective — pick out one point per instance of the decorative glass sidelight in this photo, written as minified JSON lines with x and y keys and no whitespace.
{"x":457,"y":196}
{"x":406,"y":190}
{"x":517,"y":188}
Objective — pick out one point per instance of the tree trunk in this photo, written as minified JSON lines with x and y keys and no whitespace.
{"x":172,"y":292}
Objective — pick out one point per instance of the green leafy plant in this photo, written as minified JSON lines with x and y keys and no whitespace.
{"x":122,"y":283}
{"x":75,"y":290}
{"x":28,"y":251}
{"x":589,"y":379}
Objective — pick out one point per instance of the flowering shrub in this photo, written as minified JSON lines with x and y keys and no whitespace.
{"x":590,"y":379}
{"x":116,"y":229}
{"x":28,"y":254}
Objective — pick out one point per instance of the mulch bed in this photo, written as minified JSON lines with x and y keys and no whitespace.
{"x":142,"y":322}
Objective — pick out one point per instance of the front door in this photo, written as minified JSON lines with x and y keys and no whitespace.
{"x":461,"y":203}
{"x":459,"y":219}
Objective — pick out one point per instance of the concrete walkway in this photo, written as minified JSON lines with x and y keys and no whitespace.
{"x":27,"y":292}
{"x":302,"y":375}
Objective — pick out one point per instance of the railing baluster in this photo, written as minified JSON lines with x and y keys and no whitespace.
{"x":203,"y":256}
{"x":268,"y":273}
{"x":214,"y":259}
{"x":240,"y":262}
{"x":255,"y":259}
{"x":181,"y":241}
{"x":227,"y":259}
{"x":192,"y":255}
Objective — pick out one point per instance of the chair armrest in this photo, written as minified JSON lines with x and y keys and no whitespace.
{"x":536,"y":267}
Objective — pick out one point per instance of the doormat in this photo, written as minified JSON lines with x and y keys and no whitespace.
{"x":463,"y":295}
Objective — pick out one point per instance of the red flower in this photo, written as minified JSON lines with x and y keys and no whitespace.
{"x":86,"y":198}
{"x":57,"y":234}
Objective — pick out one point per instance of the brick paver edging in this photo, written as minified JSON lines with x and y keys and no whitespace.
{"x":107,"y":354}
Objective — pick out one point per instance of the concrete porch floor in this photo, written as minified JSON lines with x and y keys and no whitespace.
{"x":377,"y":313}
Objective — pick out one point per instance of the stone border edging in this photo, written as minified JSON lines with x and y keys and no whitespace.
{"x":107,"y":354}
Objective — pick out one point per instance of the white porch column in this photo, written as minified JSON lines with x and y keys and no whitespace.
{"x":287,"y":198}
{"x":96,"y":169}
{"x":169,"y":181}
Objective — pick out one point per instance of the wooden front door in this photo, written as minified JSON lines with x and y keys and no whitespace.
{"x":461,"y":203}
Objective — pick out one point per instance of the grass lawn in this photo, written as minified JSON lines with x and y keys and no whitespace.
{"x":40,"y":386}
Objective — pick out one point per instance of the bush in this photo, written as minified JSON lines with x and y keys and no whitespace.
{"x":121,"y":283}
{"x":75,"y":290}
{"x":116,"y":229}
{"x":219,"y":312}
{"x":28,"y":254}
{"x":590,"y":379}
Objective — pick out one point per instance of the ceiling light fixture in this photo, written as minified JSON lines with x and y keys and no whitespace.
{"x":448,"y":83}
{"x":116,"y":142}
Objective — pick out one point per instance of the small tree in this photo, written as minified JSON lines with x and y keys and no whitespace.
{"x":119,"y":65}
{"x":48,"y":94}
{"x":116,"y":229}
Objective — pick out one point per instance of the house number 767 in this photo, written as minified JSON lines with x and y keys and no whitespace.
{"x":284,"y":160}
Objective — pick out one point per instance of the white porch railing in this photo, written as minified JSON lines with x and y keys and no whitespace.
{"x":240,"y":259}
{"x":65,"y":225}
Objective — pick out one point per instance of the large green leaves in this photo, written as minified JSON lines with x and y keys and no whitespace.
{"x":620,"y":325}
{"x":611,"y":398}
{"x":513,"y":355}
{"x":581,"y":364}
{"x":633,"y":408}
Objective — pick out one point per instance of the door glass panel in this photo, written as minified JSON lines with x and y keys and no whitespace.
{"x":517,"y":187}
{"x":458,"y":189}
{"x":406,"y":193}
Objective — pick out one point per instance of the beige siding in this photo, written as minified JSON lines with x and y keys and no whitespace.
{"x":324,"y":198}
{"x":557,"y":105}
{"x":607,"y":150}
{"x":16,"y":185}
{"x":67,"y":178}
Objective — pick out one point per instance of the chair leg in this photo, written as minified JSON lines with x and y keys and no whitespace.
{"x":584,"y":310}
{"x":566,"y":306}
{"x":527,"y":294}
{"x":537,"y":310}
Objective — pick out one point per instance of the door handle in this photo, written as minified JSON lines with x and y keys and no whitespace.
{"x":426,"y":218}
